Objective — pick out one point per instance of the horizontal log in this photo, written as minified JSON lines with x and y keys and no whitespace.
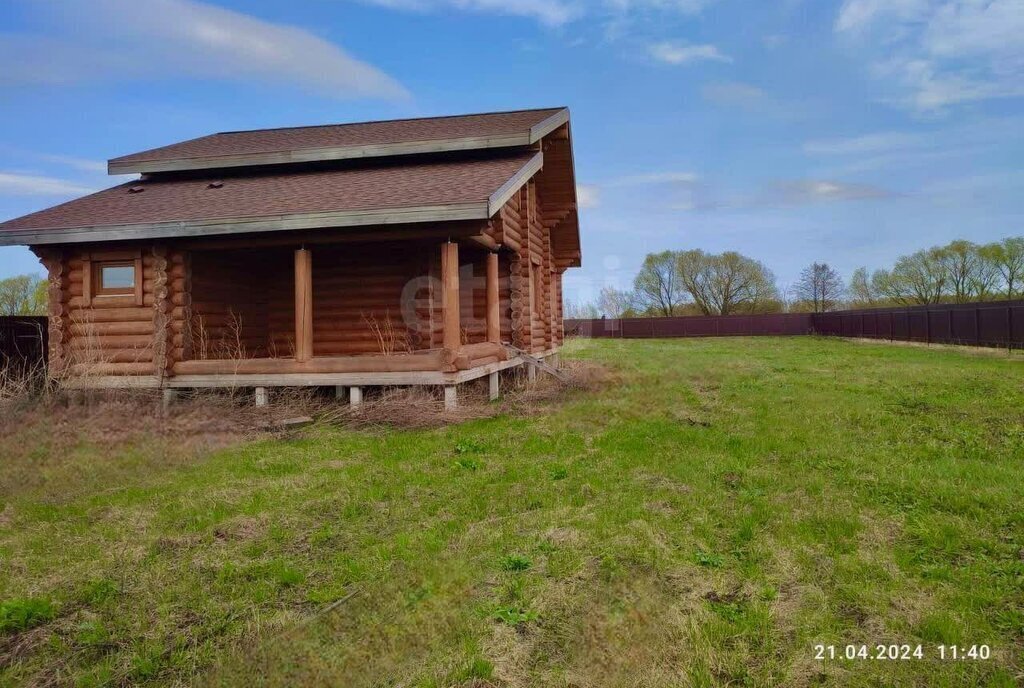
{"x":351,"y":350}
{"x":99,"y":329}
{"x":87,"y":369}
{"x":127,"y":301}
{"x":113,"y":356}
{"x":335,"y":337}
{"x":175,"y":284}
{"x":512,"y":241}
{"x":221,"y":316}
{"x":130,"y":313}
{"x":484,"y":349}
{"x":112,"y":341}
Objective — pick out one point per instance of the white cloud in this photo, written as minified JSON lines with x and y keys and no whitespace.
{"x":868,"y":143}
{"x":588,"y":196}
{"x":734,"y":94}
{"x":16,"y":184}
{"x":959,"y":29}
{"x":677,"y":53}
{"x":857,"y":15}
{"x":931,"y":149}
{"x":549,"y":12}
{"x":941,"y":52}
{"x":76,"y":163}
{"x":115,"y":40}
{"x":781,"y":193}
{"x":804,"y":191}
{"x":680,"y":6}
{"x":657,"y":178}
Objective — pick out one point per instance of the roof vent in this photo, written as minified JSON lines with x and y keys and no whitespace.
{"x":136,"y":189}
{"x":215,"y":185}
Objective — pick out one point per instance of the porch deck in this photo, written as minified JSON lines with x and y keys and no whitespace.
{"x":433,"y":368}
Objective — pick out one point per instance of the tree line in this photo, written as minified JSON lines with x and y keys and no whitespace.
{"x":695,"y":282}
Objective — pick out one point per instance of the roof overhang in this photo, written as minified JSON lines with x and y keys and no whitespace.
{"x":524,"y":138}
{"x":454,"y":212}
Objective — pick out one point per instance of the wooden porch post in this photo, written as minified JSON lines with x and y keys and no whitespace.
{"x":493,"y":319}
{"x":303,"y":305}
{"x":450,"y":296}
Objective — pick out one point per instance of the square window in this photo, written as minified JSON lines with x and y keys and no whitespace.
{"x":115,"y":278}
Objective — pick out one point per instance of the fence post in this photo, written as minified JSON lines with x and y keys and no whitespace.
{"x":1009,"y":328}
{"x":952,"y":337}
{"x":977,"y":325}
{"x":928,"y":323}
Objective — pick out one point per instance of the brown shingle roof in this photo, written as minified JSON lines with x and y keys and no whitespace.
{"x":412,"y":184}
{"x":334,"y":141}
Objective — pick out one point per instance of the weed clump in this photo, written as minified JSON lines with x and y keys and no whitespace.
{"x":21,"y":614}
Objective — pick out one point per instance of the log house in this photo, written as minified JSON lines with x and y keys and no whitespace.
{"x":407,"y":252}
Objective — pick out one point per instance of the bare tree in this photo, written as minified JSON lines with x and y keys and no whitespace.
{"x":579,"y":310}
{"x":820,"y":286}
{"x":616,"y":303}
{"x":861,"y":289}
{"x":726,"y":283}
{"x":657,"y":284}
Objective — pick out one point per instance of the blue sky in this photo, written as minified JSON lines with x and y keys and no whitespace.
{"x":792,"y":131}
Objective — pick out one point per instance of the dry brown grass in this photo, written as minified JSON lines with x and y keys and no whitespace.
{"x":48,"y":435}
{"x":997,"y":351}
{"x":389,"y":340}
{"x":423,"y":407}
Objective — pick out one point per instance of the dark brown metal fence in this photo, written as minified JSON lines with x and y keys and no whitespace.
{"x":773,"y":324}
{"x":995,"y":323}
{"x":22,"y":341}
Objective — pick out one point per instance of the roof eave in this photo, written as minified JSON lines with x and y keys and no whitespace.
{"x":520,"y":138}
{"x":509,"y":188}
{"x":546,"y":126}
{"x":523,"y":138}
{"x":161,"y":230}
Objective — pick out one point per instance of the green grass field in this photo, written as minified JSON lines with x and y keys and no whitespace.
{"x":710,"y":515}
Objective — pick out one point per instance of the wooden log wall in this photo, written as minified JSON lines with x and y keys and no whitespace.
{"x":230,"y":293}
{"x":56,"y":266}
{"x":533,"y":279}
{"x":248,"y":298}
{"x":114,"y":335}
{"x":367,"y":297}
{"x":473,"y":294}
{"x":374,"y":298}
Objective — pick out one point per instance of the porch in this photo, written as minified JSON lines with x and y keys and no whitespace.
{"x":347,"y":315}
